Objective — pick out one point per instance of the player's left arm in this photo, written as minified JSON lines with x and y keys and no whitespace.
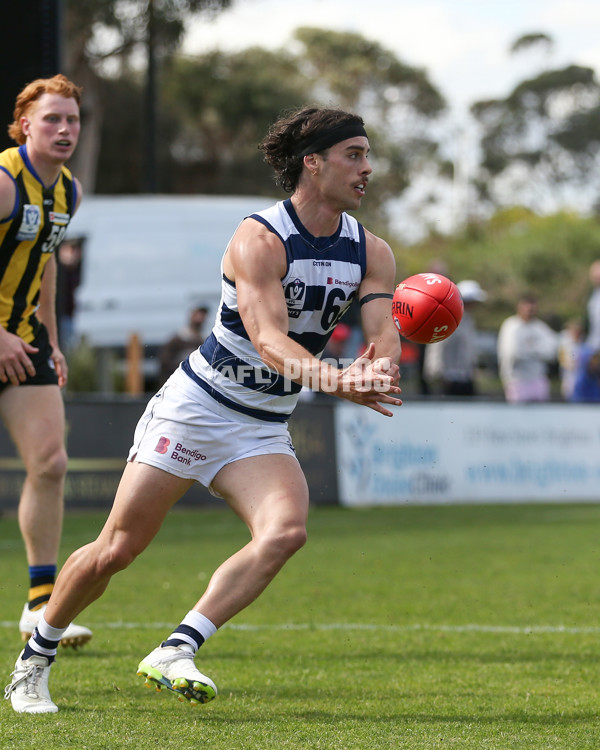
{"x":47,"y":308}
{"x":375,"y":298}
{"x":47,"y":315}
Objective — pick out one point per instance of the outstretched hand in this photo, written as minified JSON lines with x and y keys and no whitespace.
{"x":371,"y":382}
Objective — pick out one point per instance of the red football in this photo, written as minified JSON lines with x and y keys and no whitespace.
{"x":427,"y":307}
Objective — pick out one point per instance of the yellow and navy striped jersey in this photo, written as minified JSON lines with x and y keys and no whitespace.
{"x":28,"y":237}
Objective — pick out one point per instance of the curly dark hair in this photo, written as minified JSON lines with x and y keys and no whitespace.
{"x":281,"y":144}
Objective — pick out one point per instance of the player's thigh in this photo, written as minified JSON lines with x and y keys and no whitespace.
{"x":144,"y":496}
{"x":34,"y":416}
{"x":265,"y":491}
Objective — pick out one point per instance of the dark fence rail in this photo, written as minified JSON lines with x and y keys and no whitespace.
{"x":99,"y":435}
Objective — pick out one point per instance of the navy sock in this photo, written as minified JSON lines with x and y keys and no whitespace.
{"x":41,"y":583}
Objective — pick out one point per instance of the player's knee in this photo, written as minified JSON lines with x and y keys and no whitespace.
{"x":50,"y":467}
{"x":113,"y":559}
{"x":58,"y":464}
{"x":296,"y":539}
{"x":285,"y":542}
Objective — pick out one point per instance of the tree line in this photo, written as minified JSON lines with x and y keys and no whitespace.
{"x":536,"y":147}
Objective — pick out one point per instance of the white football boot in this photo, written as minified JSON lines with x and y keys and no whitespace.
{"x":74,"y":635}
{"x":28,"y":691}
{"x":173,"y":667}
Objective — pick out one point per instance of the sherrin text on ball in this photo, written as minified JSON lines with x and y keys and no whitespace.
{"x":427,"y":307}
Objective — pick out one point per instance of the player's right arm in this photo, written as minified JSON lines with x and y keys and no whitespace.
{"x":8,"y":195}
{"x":15,"y":363}
{"x":256,"y":262}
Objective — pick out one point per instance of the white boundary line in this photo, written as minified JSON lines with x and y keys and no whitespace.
{"x":468,"y":628}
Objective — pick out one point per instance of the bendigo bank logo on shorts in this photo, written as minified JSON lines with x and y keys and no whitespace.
{"x":163,"y":445}
{"x":180,"y":453}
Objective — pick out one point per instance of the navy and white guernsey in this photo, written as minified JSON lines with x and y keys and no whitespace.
{"x":322,"y":278}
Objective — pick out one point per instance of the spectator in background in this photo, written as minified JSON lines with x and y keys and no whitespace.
{"x":453,"y":362}
{"x":526,"y":346}
{"x":586,"y":384}
{"x":183,"y":343}
{"x":593,"y":307}
{"x":68,"y":279}
{"x":570,"y":342}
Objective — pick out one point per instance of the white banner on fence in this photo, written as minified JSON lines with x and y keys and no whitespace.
{"x":473,"y":452}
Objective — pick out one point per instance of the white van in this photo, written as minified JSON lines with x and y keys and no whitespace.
{"x":148,"y":259}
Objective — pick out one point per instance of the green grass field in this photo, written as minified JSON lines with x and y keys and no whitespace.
{"x":436,"y":627}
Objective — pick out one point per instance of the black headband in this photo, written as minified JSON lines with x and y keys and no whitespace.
{"x":327,"y":137}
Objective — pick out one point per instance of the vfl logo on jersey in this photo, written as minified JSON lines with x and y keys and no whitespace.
{"x":294,"y":297}
{"x":30,"y":225}
{"x":163,"y":445}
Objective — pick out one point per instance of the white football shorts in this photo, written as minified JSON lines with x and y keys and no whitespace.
{"x":185,"y":432}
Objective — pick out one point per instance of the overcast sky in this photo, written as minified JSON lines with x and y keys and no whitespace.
{"x":462,"y":44}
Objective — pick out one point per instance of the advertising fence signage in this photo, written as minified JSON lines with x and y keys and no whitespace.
{"x":468,"y":452}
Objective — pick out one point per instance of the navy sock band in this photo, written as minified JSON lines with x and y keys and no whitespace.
{"x":28,"y":651}
{"x":42,"y":571}
{"x":185,"y":630}
{"x":41,"y":583}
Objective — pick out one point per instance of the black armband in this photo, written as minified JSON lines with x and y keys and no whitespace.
{"x":369,"y":297}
